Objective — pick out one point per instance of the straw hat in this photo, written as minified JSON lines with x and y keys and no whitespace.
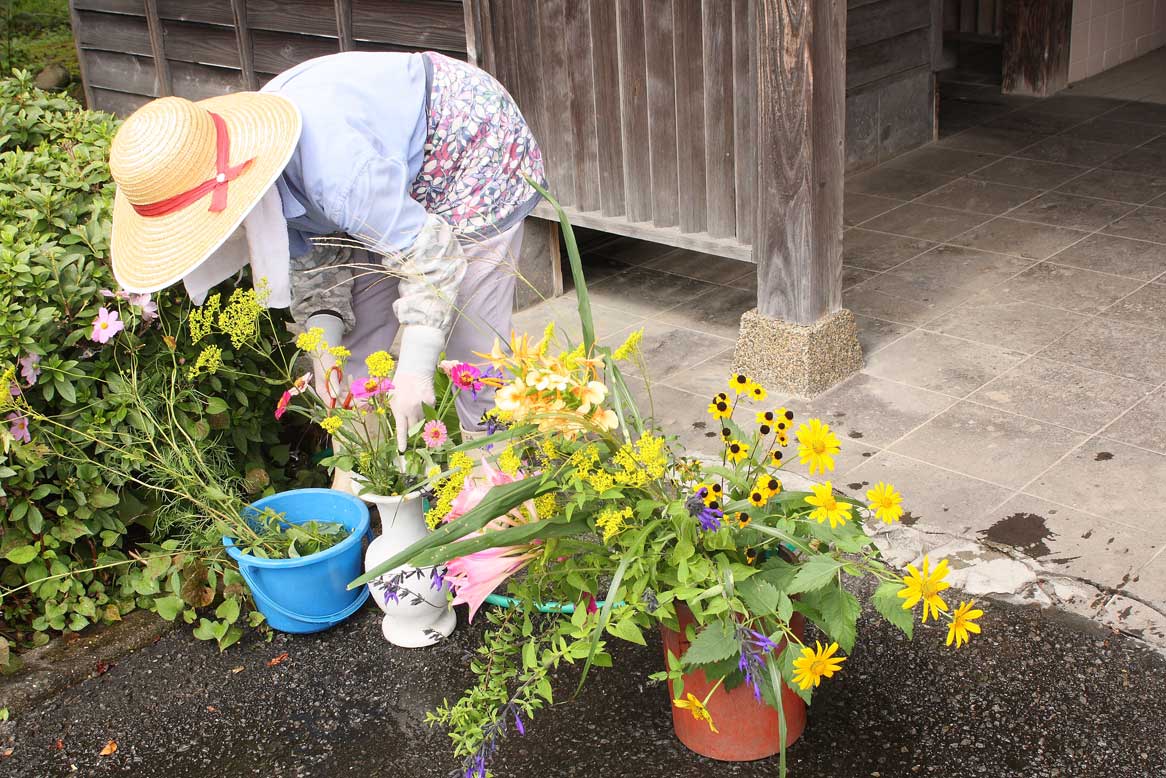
{"x":187,"y":175}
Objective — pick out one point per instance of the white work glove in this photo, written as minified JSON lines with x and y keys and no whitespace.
{"x":413,"y":381}
{"x":322,"y":361}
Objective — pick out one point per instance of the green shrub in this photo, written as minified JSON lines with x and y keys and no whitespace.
{"x":63,"y":515}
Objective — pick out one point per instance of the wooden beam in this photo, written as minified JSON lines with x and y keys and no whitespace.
{"x":344,"y":24}
{"x":81,"y":63}
{"x":1036,"y":46}
{"x":163,"y":85}
{"x":801,"y":86}
{"x":246,"y":47}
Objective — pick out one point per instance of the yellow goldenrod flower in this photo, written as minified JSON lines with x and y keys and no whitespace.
{"x":827,"y":507}
{"x":311,"y":340}
{"x":508,"y":461}
{"x":757,"y":392}
{"x":209,"y":361}
{"x":545,"y":505}
{"x":629,"y":346}
{"x":612,"y":521}
{"x":962,"y":623}
{"x":720,"y":409}
{"x":696,"y":708}
{"x":925,"y":586}
{"x":818,"y":446}
{"x":202,"y":318}
{"x":331,"y":424}
{"x":240,"y":317}
{"x":737,"y":451}
{"x":885,"y":502}
{"x":740,"y":383}
{"x":815,"y":664}
{"x":380,"y":364}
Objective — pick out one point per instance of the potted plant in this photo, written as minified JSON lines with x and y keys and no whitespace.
{"x":716,"y":554}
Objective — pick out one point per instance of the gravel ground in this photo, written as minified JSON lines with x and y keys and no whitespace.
{"x":1035,"y":695}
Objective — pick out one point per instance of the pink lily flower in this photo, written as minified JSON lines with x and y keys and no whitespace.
{"x":106,"y":325}
{"x":475,"y":576}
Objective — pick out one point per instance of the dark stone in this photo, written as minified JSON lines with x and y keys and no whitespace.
{"x":53,"y":78}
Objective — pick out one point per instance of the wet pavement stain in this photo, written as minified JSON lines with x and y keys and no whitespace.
{"x":854,"y":434}
{"x":1103,"y":456}
{"x":1025,"y":532}
{"x":908,"y":519}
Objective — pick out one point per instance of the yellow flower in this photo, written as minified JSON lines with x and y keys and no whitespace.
{"x":240,"y":317}
{"x":737,"y":451}
{"x":765,"y":417}
{"x":380,"y":364}
{"x":590,"y":395}
{"x":340,"y":353}
{"x":770,"y":485}
{"x":720,"y":409}
{"x":311,"y":340}
{"x":758,"y":498}
{"x":775,"y":458}
{"x":548,"y":336}
{"x":605,"y":419}
{"x":613,"y":522}
{"x":757,"y":392}
{"x":784,"y":417}
{"x":815,"y":664}
{"x":209,"y":361}
{"x":885,"y":502}
{"x":331,"y":424}
{"x":508,"y":461}
{"x":827,"y":507}
{"x":962,"y":623}
{"x":925,"y":586}
{"x":818,"y":446}
{"x":202,"y":319}
{"x":545,"y":505}
{"x":740,"y":383}
{"x":696,"y":708}
{"x":743,"y":519}
{"x":600,"y":480}
{"x":630,"y":346}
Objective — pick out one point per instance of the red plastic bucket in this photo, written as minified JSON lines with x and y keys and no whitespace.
{"x":748,"y":729}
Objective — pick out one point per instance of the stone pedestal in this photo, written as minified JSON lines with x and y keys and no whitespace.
{"x":804,"y":360}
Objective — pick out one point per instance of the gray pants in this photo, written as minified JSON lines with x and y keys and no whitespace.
{"x":483,"y":310}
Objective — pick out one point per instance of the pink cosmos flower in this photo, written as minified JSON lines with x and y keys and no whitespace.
{"x":28,"y":368}
{"x":119,"y":294}
{"x":18,"y":428}
{"x":364,"y":389}
{"x":106,"y":325}
{"x":299,"y":387}
{"x":434,"y":433}
{"x":148,"y":307}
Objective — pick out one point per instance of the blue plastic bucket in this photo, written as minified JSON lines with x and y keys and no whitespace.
{"x":310,"y":593}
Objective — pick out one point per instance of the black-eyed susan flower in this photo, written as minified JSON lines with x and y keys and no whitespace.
{"x":696,"y":707}
{"x":817,"y":446}
{"x":757,"y":392}
{"x":764,"y":429}
{"x":716,"y":490}
{"x":758,"y":498}
{"x":750,"y":556}
{"x":737,"y":451}
{"x":885,"y":502}
{"x":766,"y":417}
{"x":775,"y":458}
{"x":815,"y":664}
{"x":770,"y":485}
{"x":782,"y":438}
{"x":827,"y":507}
{"x":702,"y":491}
{"x":925,"y":586}
{"x":787,"y":413}
{"x":720,"y":409}
{"x":740,"y":383}
{"x":962,"y":623}
{"x":726,"y":433}
{"x":743,"y":519}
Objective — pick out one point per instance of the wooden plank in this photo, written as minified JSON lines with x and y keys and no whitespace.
{"x":130,"y":7}
{"x":109,"y":32}
{"x":797,"y":240}
{"x":82,"y":62}
{"x":343,"y":10}
{"x":661,"y":112}
{"x":118,"y":103}
{"x":605,"y":67}
{"x":198,"y":82}
{"x":887,"y":57}
{"x":276,"y":52}
{"x":121,"y":72}
{"x":473,"y":41}
{"x":158,"y":50}
{"x":208,"y":44}
{"x":633,"y":110}
{"x":873,"y":23}
{"x":418,"y":24}
{"x":555,"y":141}
{"x":686,"y":22}
{"x":985,"y":17}
{"x":720,"y":152}
{"x":1036,"y":46}
{"x":528,"y":64}
{"x":581,"y":91}
{"x":243,"y":37}
{"x":745,"y":115}
{"x":669,"y":236}
{"x":218,"y":12}
{"x":968,"y":15}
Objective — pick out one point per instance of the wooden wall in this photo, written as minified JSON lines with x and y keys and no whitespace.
{"x":134,"y":50}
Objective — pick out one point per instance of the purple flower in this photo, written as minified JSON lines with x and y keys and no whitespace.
{"x":709,"y":518}
{"x":754,"y":648}
{"x":28,"y":368}
{"x":18,"y":428}
{"x":148,"y":307}
{"x":436,"y":579}
{"x":518,"y":724}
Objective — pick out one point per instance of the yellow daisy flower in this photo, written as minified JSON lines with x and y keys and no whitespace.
{"x":962,"y":623}
{"x":775,"y":458}
{"x":770,"y":485}
{"x":827,"y":508}
{"x":738,"y":451}
{"x":885,"y":502}
{"x":740,"y":383}
{"x":720,"y":409}
{"x":766,"y":417}
{"x":758,"y":393}
{"x":697,"y":709}
{"x":743,"y":519}
{"x":750,"y":556}
{"x":925,"y":586}
{"x":815,"y":664}
{"x":818,"y":445}
{"x":758,"y":498}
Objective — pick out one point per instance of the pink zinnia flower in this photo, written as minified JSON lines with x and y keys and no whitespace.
{"x":105,"y":326}
{"x":367,"y":388}
{"x":148,"y":307}
{"x":299,"y":387}
{"x":434,"y":433}
{"x":28,"y":368}
{"x":18,"y":428}
{"x":465,"y":376}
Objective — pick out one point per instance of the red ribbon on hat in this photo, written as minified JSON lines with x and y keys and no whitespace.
{"x":217,"y":186}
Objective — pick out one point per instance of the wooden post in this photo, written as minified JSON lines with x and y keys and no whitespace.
{"x":82,"y":64}
{"x":1036,"y":46}
{"x":344,"y":24}
{"x":246,"y":50}
{"x":162,"y":83}
{"x":801,"y":103}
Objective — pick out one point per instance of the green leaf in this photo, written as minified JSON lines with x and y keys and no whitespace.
{"x":168,"y":607}
{"x":760,"y":595}
{"x":715,"y":643}
{"x":104,"y":499}
{"x":627,"y":629}
{"x":21,"y":555}
{"x":890,"y":606}
{"x":840,"y":609}
{"x":814,"y":573}
{"x":511,"y":536}
{"x":228,"y":610}
{"x":216,"y":405}
{"x":785,"y":607}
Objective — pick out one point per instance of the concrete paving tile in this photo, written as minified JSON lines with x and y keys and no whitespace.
{"x":972,"y":194}
{"x":565,"y":313}
{"x":991,"y":140}
{"x":941,"y":363}
{"x":1145,"y":307}
{"x":701,"y":266}
{"x":668,"y":349}
{"x":933,"y":497}
{"x":1021,"y":239}
{"x":1144,"y":113}
{"x":878,"y":251}
{"x":630,"y":251}
{"x":596,"y":268}
{"x":1146,"y":223}
{"x":1075,"y":105}
{"x":1069,"y":541}
{"x":1149,"y":583}
{"x":706,"y":378}
{"x":1110,"y":479}
{"x":1034,"y":120}
{"x":1071,"y":396}
{"x":1070,"y":288}
{"x":858,"y":207}
{"x":1114,"y":347}
{"x":985,"y":443}
{"x":1148,"y":160}
{"x":853,"y":276}
{"x":717,"y":311}
{"x":645,"y":292}
{"x":865,"y":302}
{"x":1070,"y":150}
{"x":998,"y":320}
{"x":874,"y":410}
{"x":926,"y":222}
{"x":1062,"y":210}
{"x":896,"y":183}
{"x":1120,"y":256}
{"x":1143,"y":425}
{"x":873,"y":334}
{"x":1133,"y":617}
{"x":936,"y":159}
{"x":1116,"y":185}
{"x":1031,"y":172}
{"x":946,"y":276}
{"x":1107,"y":130}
